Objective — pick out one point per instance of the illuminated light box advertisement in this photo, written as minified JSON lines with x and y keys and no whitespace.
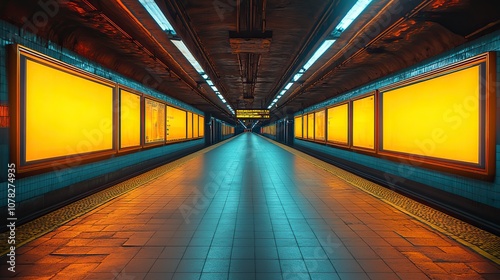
{"x":154,"y":116}
{"x":195,"y":126}
{"x":298,"y":127}
{"x":304,"y":126}
{"x":438,"y":117}
{"x":338,"y":124}
{"x":176,"y":123}
{"x":130,"y":119}
{"x":189,"y":125}
{"x":202,"y":126}
{"x":363,"y":122}
{"x":310,"y":126}
{"x":319,"y":124}
{"x":65,"y":114}
{"x":270,"y":129}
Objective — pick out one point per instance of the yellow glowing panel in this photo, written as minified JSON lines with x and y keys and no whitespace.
{"x":195,"y":126}
{"x":270,"y":129}
{"x":154,"y":116}
{"x":363,"y":122}
{"x":202,"y":126}
{"x":338,"y":124}
{"x":176,"y":123}
{"x":310,"y":126}
{"x":298,"y":127}
{"x":189,"y":125}
{"x":319,"y":123}
{"x":65,"y":113}
{"x":304,"y":126}
{"x":130,"y":119}
{"x":437,"y":118}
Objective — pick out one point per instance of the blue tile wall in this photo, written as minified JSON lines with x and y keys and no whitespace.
{"x":481,"y":191}
{"x":34,"y":186}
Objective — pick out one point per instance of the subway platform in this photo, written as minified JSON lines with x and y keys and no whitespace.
{"x":250,"y":208}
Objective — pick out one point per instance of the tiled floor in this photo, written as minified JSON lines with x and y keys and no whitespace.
{"x":247,"y":210}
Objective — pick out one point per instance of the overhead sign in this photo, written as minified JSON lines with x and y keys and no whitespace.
{"x":252,"y":114}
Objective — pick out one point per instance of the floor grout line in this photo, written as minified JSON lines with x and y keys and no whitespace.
{"x":481,"y":241}
{"x":51,"y":221}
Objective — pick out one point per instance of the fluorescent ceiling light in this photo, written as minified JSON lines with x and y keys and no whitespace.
{"x":282,"y":92}
{"x":184,"y":50}
{"x":319,"y":52}
{"x":297,"y":77}
{"x":353,"y":13}
{"x":157,"y":15}
{"x":165,"y":25}
{"x":349,"y":18}
{"x":243,"y":124}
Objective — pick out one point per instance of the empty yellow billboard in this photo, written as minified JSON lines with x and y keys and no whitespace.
{"x":195,"y":126}
{"x":338,"y":124}
{"x":363,"y":122}
{"x":304,"y":126}
{"x":189,"y":125}
{"x":176,"y":124}
{"x":438,"y":117}
{"x":154,"y":117}
{"x":65,"y":113}
{"x":310,"y":126}
{"x":298,"y":127}
{"x":202,"y":126}
{"x":319,"y":125}
{"x":130,"y":119}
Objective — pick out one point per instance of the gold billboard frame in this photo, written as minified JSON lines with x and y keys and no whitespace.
{"x":337,"y":143}
{"x":17,"y":53}
{"x":485,"y":169}
{"x":373,"y":150}
{"x":141,"y":104}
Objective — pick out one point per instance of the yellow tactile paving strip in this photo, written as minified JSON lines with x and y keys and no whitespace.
{"x":483,"y":242}
{"x":42,"y":225}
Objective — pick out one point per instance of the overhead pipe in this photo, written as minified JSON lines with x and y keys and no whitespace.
{"x":264,"y":3}
{"x":238,"y":9}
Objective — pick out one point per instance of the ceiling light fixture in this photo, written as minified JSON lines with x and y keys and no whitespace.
{"x":158,"y":16}
{"x":187,"y":54}
{"x":346,"y":21}
{"x":243,"y":124}
{"x":165,"y":25}
{"x":254,"y":124}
